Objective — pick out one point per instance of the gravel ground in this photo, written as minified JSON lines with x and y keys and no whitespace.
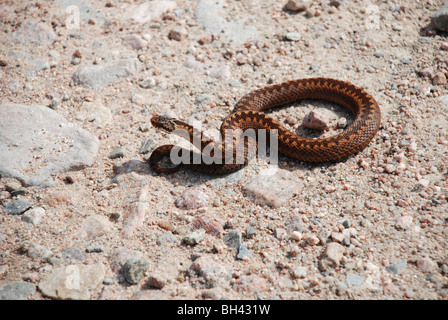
{"x":372,"y":227}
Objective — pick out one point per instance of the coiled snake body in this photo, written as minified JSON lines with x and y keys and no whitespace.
{"x":247,"y":115}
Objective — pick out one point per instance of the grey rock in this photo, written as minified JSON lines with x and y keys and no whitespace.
{"x":35,"y":33}
{"x":149,"y":10}
{"x":440,"y":18}
{"x":33,"y":216}
{"x":73,"y":282}
{"x":147,"y":146}
{"x":273,"y":187}
{"x":331,"y":257}
{"x":17,"y":207}
{"x":397,"y":266}
{"x":354,"y":280}
{"x":117,"y":153}
{"x":167,"y":237}
{"x":85,"y":10}
{"x":37,"y":251}
{"x":119,"y":256}
{"x":16,"y":290}
{"x":72,"y":255}
{"x":233,"y":239}
{"x":95,"y":248}
{"x":134,"y":269}
{"x":30,"y":131}
{"x":210,"y":15}
{"x":97,"y":76}
{"x":243,"y":253}
{"x":293,"y":36}
{"x":194,"y":237}
{"x":38,"y":65}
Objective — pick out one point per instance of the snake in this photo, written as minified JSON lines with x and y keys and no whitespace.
{"x":248,"y":115}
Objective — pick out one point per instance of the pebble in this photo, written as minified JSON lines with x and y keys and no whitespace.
{"x":148,"y":11}
{"x":147,"y":146}
{"x":210,"y":226}
{"x":273,"y":187}
{"x":426,"y":265}
{"x":119,"y":256}
{"x":192,"y":198}
{"x":94,"y":227}
{"x":250,"y":232}
{"x":332,"y":256}
{"x":404,"y":222}
{"x":293,"y":36}
{"x":397,"y":266}
{"x":97,"y":76}
{"x":233,"y":239}
{"x":95,"y":248}
{"x":73,"y":282}
{"x":167,"y":237}
{"x":133,"y":269}
{"x":310,"y":239}
{"x":354,"y":280}
{"x":316,"y":120}
{"x":212,"y":272}
{"x":178,"y":33}
{"x":72,"y":255}
{"x":17,"y":207}
{"x":119,"y":152}
{"x":299,"y":272}
{"x":147,"y":83}
{"x":33,"y":216}
{"x":157,"y":280}
{"x":94,"y":112}
{"x":439,"y":79}
{"x":134,"y":41}
{"x":16,"y":290}
{"x":296,"y":5}
{"x":440,"y":18}
{"x":194,"y":237}
{"x":243,"y":253}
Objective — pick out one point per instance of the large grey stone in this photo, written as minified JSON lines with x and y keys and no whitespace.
{"x":36,"y":143}
{"x":35,"y":33}
{"x":73,"y":282}
{"x":96,"y":76}
{"x":440,"y":18}
{"x":16,"y":290}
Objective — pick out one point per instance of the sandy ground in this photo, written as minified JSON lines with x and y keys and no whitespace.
{"x":386,"y":208}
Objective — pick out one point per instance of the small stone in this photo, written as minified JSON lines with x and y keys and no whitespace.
{"x":37,"y":251}
{"x":134,"y":269}
{"x":210,"y":226}
{"x":354,"y":280}
{"x":33,"y":216}
{"x":212,"y":272}
{"x":397,"y":266}
{"x":440,"y":18}
{"x":147,"y":83}
{"x":280,"y":233}
{"x":404,"y":222}
{"x":427,"y":72}
{"x":178,"y":33}
{"x":295,"y":5}
{"x":192,"y":198}
{"x":293,"y":36}
{"x":95,"y":248}
{"x":147,"y":146}
{"x":316,"y":120}
{"x":426,"y":265}
{"x":16,"y":290}
{"x":243,"y":253}
{"x":72,"y":255}
{"x":296,"y":235}
{"x":17,"y":207}
{"x":194,"y":238}
{"x":167,"y":237}
{"x":337,"y":237}
{"x":332,"y":256}
{"x":117,"y":153}
{"x":439,"y":79}
{"x":134,"y":41}
{"x":233,"y":239}
{"x":250,"y":232}
{"x":299,"y":272}
{"x":310,"y":239}
{"x":157,"y":281}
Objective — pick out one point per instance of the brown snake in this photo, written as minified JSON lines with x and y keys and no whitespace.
{"x":246,"y":115}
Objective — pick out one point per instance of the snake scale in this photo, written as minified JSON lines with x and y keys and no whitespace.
{"x":247,"y":115}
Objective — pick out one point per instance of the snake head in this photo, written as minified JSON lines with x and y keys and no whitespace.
{"x":165,"y":123}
